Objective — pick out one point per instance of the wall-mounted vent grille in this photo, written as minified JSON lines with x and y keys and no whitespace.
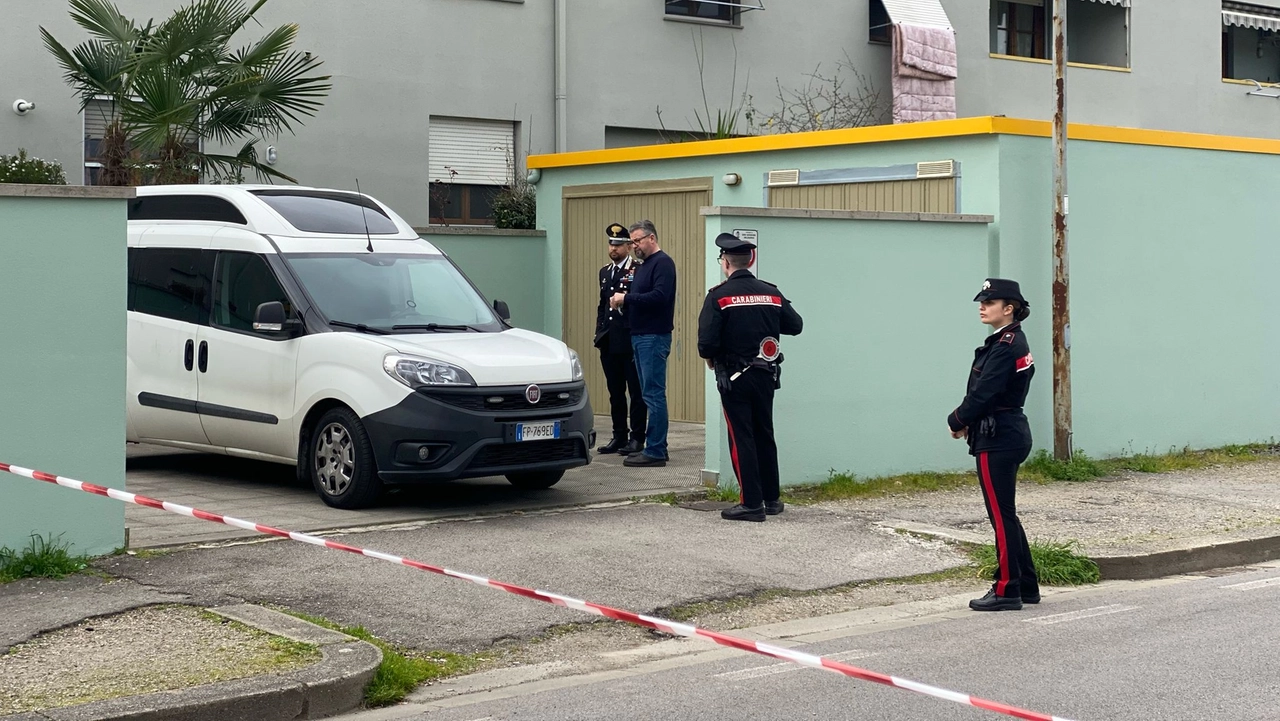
{"x":784,"y":177}
{"x":936,"y":169}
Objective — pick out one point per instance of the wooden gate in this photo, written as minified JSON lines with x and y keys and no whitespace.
{"x":673,"y":206}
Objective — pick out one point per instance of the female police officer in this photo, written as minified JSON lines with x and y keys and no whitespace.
{"x":999,"y":437}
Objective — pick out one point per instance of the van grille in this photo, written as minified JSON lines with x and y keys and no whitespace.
{"x":515,"y":454}
{"x":507,"y":399}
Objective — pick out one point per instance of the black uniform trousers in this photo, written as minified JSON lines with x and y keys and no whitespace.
{"x":1015,"y":574}
{"x":748,"y":413}
{"x":623,"y":381}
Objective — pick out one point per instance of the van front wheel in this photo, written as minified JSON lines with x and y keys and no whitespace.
{"x":343,"y":470}
{"x":535,"y":480}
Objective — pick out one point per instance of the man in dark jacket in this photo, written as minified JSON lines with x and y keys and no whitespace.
{"x":738,"y":331}
{"x":650,"y":305}
{"x":613,"y":338}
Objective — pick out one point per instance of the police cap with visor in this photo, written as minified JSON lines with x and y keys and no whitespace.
{"x":731,"y":244}
{"x":1001,"y":289}
{"x":617,"y":234}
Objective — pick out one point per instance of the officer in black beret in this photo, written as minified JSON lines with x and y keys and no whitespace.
{"x":738,"y":332}
{"x":613,"y":338}
{"x":991,"y":418}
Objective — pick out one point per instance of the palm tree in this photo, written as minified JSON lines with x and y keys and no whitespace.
{"x":177,"y":85}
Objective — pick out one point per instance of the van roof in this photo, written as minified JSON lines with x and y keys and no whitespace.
{"x":277,"y":210}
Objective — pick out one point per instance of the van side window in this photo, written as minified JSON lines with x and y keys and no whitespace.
{"x":185,"y":207}
{"x":170,"y":282}
{"x":243,"y":281}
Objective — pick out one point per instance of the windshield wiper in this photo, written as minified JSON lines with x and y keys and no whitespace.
{"x":359,"y":326}
{"x":434,"y":327}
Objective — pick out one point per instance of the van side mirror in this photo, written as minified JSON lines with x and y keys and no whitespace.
{"x":501,"y":308}
{"x":270,"y":318}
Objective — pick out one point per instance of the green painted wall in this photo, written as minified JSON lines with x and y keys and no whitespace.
{"x":978,"y":156}
{"x":889,"y":332}
{"x":62,"y":299}
{"x":507,"y":267}
{"x":1173,"y":260}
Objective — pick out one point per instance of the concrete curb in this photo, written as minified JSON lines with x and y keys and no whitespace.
{"x":1190,"y":558}
{"x":329,"y":687}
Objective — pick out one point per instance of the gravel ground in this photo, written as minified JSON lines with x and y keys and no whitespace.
{"x":1132,"y":513}
{"x":138,"y":652}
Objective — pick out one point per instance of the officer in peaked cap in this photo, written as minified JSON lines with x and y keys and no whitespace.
{"x":991,"y":418}
{"x":613,"y":338}
{"x":738,"y":330}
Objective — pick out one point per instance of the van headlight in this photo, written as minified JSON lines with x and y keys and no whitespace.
{"x":419,"y":372}
{"x":575,"y":365}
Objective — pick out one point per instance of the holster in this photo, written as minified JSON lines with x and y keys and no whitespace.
{"x":987,"y":427}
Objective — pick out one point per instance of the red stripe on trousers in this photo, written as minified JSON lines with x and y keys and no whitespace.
{"x":733,"y":454}
{"x":999,"y":523}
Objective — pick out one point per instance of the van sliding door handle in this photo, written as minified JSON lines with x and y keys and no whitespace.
{"x":190,"y":355}
{"x":204,"y":356}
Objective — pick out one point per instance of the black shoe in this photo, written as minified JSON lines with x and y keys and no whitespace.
{"x":617,"y":445}
{"x":742,"y":513}
{"x":1033,"y":597}
{"x":640,"y":459}
{"x":992,"y":602}
{"x":633,"y":446}
{"x":773,"y":508}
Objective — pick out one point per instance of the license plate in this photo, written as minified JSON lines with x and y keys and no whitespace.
{"x":537,"y":431}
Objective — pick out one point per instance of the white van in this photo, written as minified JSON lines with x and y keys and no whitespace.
{"x":314,"y":327}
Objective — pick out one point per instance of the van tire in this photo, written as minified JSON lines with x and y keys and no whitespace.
{"x":352,"y":482}
{"x":536,"y":480}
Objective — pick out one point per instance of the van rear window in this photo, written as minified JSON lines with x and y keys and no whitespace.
{"x":321,"y":212}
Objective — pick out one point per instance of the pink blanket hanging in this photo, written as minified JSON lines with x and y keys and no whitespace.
{"x":924,"y":73}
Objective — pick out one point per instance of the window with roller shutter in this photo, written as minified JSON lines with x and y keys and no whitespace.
{"x":98,"y":115}
{"x":469,"y":162}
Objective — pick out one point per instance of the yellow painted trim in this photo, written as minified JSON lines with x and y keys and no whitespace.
{"x":1139,"y":136}
{"x":1042,"y":61}
{"x":1247,"y":83}
{"x":761,"y":143}
{"x":961,"y":127}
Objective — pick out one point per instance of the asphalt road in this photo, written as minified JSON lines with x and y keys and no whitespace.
{"x":1188,"y":648}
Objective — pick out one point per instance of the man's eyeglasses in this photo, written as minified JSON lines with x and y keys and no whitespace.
{"x":646,"y":235}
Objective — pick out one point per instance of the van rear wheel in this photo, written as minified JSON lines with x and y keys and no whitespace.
{"x":535,"y":480}
{"x":343,"y":470}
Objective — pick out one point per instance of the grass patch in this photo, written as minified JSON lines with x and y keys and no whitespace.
{"x":1083,"y":468}
{"x":846,"y":485}
{"x":1056,"y":563}
{"x":40,"y":559}
{"x":401,"y":671}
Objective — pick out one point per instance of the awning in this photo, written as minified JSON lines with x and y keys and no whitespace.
{"x":1041,"y":3}
{"x":1256,"y":17}
{"x":918,"y":12}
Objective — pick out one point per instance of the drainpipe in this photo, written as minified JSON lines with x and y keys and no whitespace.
{"x":1061,"y":285}
{"x":562,"y":83}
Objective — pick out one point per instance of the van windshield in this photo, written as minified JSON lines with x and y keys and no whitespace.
{"x":420,"y":293}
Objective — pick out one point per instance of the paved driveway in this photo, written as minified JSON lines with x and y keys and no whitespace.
{"x":268,"y":493}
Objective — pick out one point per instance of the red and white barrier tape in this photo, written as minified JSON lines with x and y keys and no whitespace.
{"x":671,"y":627}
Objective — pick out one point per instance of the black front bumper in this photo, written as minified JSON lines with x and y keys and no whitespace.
{"x":446,"y":434}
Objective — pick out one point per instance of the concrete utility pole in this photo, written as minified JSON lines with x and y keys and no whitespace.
{"x":1061,"y":308}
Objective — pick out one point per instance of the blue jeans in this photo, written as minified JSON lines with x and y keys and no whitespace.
{"x":651,"y":352}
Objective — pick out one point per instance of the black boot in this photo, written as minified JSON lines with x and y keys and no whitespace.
{"x":992,"y":602}
{"x":773,"y":508}
{"x":742,"y":513}
{"x":613,"y":446}
{"x":633,"y":446}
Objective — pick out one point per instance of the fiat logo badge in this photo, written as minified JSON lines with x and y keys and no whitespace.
{"x":533,"y":393}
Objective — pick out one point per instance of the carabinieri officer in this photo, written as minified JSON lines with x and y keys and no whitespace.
{"x":999,"y":437}
{"x":738,"y":331}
